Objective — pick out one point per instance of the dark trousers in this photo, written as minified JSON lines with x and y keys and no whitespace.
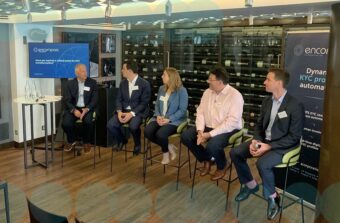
{"x":214,"y":148}
{"x":159,"y":134}
{"x":115,"y":128}
{"x":86,"y":129}
{"x":265,"y":165}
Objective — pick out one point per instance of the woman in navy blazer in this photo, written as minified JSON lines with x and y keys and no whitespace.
{"x":170,"y":111}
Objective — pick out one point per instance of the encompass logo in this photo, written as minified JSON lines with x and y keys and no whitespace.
{"x":300,"y":50}
{"x":45,"y":50}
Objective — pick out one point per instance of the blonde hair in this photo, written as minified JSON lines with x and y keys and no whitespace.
{"x":175,"y":81}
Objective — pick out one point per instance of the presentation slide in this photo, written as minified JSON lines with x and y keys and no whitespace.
{"x":56,"y":60}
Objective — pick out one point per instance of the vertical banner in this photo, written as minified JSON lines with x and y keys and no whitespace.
{"x":306,"y":56}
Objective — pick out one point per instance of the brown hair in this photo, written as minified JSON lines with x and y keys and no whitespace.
{"x":175,"y":81}
{"x":280,"y":74}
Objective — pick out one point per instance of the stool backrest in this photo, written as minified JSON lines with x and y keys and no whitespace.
{"x":237,"y":137}
{"x":291,"y":158}
{"x":38,"y":215}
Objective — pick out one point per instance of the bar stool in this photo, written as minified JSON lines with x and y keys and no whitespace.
{"x":4,"y":186}
{"x":234,"y":140}
{"x":289,"y":160}
{"x":78,"y":126}
{"x":151,"y":157}
{"x":125,"y":149}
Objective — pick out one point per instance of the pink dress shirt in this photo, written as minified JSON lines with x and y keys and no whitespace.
{"x":222,"y":112}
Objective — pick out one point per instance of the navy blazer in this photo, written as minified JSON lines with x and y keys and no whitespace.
{"x":71,"y":94}
{"x":177,"y":105}
{"x":139,"y":99}
{"x":287,"y":129}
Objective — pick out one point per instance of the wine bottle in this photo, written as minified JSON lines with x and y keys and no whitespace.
{"x":262,"y":64}
{"x":229,"y":63}
{"x":206,"y":61}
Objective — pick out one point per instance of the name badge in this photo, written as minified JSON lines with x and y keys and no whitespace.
{"x":282,"y":114}
{"x":162,"y":98}
{"x":135,"y":88}
{"x":86,"y":88}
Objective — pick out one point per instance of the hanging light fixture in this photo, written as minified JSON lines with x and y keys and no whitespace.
{"x":29,"y":17}
{"x":108,"y":10}
{"x":63,"y":13}
{"x":27,"y":7}
{"x":248,"y":3}
{"x":168,"y":8}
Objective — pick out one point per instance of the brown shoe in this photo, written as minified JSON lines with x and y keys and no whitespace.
{"x":69,"y":146}
{"x":206,"y":168}
{"x":219,"y":173}
{"x":87,"y":148}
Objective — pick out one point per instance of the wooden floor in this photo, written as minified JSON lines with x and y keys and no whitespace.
{"x":97,"y":195}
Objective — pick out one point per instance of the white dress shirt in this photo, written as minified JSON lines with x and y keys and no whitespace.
{"x":222,"y":112}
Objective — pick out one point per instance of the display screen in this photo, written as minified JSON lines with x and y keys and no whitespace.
{"x":56,"y":60}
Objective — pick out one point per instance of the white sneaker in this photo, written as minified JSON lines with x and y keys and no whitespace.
{"x":172,"y":150}
{"x":165,"y":159}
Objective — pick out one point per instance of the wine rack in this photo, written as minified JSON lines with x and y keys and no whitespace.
{"x":247,"y":53}
{"x":194,"y":52}
{"x":147,"y":49}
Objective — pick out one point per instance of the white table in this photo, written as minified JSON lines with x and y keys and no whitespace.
{"x":42,"y":101}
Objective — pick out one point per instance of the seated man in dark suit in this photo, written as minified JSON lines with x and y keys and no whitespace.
{"x":131,"y":106}
{"x":80,"y":97}
{"x":278,"y":130}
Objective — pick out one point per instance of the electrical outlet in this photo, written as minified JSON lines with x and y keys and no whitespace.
{"x":43,"y":127}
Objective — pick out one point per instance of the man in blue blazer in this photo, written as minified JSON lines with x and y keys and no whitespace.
{"x":131,"y":106}
{"x":80,"y":98}
{"x":278,"y":130}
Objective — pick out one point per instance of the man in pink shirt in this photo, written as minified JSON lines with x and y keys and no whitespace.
{"x":219,"y":115}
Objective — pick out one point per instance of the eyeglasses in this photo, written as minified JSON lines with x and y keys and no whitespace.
{"x":210,"y":80}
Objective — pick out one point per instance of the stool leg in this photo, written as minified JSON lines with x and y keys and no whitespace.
{"x":193,"y":180}
{"x":94,"y":156}
{"x":125,"y":153}
{"x":189,"y":163}
{"x":229,"y":181}
{"x":238,"y":208}
{"x":145,"y":161}
{"x":6,"y":203}
{"x":179,"y":163}
{"x":111,"y":158}
{"x":62,"y":157}
{"x":302,"y":212}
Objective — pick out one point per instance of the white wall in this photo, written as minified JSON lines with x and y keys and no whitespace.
{"x":19,"y":76}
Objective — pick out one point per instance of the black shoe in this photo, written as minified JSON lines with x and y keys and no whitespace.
{"x":245,"y":192}
{"x":136,"y":150}
{"x":273,"y":207}
{"x":118,"y":146}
